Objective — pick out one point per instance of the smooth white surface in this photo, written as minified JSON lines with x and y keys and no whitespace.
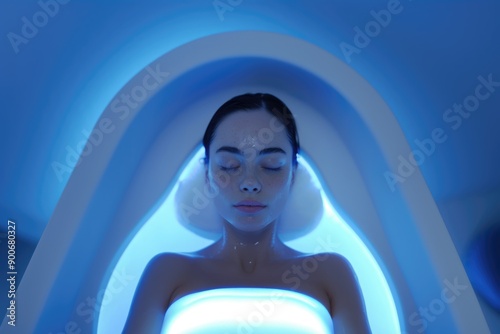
{"x":247,"y":310}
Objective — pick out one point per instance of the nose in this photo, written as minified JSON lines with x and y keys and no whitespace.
{"x":250,"y":184}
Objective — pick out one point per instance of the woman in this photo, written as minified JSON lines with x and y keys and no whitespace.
{"x":251,"y":147}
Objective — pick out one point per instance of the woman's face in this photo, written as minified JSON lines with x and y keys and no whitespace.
{"x":251,"y":165}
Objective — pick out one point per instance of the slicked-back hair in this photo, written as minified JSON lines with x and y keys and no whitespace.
{"x":249,"y":102}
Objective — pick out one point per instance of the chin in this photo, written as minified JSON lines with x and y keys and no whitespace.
{"x":249,"y":226}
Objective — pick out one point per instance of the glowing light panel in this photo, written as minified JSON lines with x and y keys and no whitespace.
{"x":247,"y":310}
{"x":163,"y":233}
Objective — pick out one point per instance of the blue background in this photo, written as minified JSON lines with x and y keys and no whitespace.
{"x":56,"y":83}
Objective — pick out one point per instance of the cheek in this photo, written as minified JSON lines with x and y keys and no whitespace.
{"x":278,"y":181}
{"x":280,"y":187}
{"x":219,"y":179}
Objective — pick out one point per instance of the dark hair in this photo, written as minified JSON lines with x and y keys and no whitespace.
{"x":248,"y":101}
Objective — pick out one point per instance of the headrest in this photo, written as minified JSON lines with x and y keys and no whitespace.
{"x":195,"y":209}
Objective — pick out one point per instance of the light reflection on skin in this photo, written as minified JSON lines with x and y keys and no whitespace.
{"x":265,"y":177}
{"x":249,"y":253}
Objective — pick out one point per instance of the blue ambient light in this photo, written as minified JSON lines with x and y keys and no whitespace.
{"x":163,"y":233}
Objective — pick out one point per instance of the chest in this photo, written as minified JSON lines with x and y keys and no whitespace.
{"x":292,"y":276}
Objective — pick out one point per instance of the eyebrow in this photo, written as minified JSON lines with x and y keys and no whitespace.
{"x":235,"y":150}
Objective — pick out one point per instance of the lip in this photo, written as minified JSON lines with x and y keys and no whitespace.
{"x":249,"y":206}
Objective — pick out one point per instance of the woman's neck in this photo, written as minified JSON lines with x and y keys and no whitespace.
{"x":250,"y":249}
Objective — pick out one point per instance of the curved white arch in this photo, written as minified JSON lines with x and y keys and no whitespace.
{"x":64,"y":237}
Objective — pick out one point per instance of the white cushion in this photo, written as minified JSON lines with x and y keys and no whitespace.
{"x":196,"y":211}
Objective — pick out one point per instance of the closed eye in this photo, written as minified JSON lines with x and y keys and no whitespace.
{"x":275,"y":169}
{"x":229,"y":168}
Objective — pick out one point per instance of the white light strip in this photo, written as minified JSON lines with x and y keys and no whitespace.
{"x":247,"y":310}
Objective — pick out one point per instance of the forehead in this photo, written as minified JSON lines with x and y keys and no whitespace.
{"x":250,"y":128}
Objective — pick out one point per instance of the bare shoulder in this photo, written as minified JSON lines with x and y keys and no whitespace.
{"x":342,"y":287}
{"x":169,"y":262}
{"x":163,"y":273}
{"x":332,"y":263}
{"x":335,"y":257}
{"x":164,"y":265}
{"x":336,"y":271}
